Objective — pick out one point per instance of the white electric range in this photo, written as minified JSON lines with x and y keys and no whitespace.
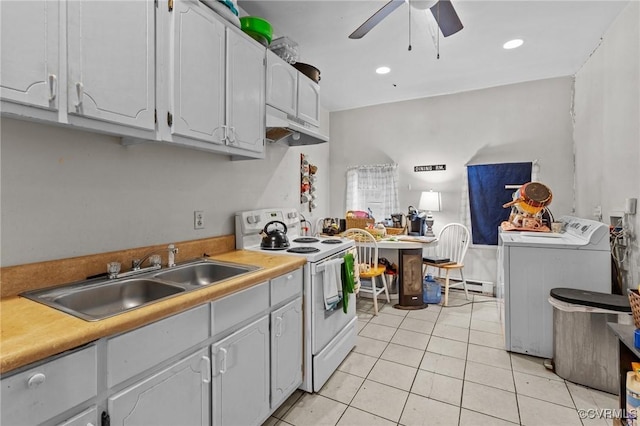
{"x":330,"y":335}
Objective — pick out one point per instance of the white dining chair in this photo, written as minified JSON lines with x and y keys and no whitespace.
{"x":368,"y":266}
{"x":453,"y":242}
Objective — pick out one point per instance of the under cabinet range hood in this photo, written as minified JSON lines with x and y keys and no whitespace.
{"x":294,"y":132}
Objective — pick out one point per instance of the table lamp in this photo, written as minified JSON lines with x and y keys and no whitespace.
{"x":430,"y":202}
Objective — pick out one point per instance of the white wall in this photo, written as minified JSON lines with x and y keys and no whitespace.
{"x":607,"y":128}
{"x":66,"y":192}
{"x":520,"y":122}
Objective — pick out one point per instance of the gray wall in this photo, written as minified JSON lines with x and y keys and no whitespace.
{"x":66,"y":192}
{"x":607,"y":129}
{"x":521,"y":122}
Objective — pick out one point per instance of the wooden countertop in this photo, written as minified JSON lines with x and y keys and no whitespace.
{"x":30,"y":331}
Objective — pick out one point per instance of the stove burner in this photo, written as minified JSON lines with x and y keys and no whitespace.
{"x":306,"y":240}
{"x":274,"y":248}
{"x":303,"y":250}
{"x":331,"y":241}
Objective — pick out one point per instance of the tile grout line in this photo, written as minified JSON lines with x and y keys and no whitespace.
{"x":387,"y":344}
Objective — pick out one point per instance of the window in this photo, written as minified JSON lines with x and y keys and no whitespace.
{"x":487,"y":193}
{"x":373,"y":188}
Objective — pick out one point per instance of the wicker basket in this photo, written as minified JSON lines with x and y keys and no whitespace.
{"x":359,"y":223}
{"x":396,"y":231}
{"x":634,"y":301}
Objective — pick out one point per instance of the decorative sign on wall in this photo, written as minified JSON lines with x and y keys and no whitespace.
{"x":307,"y":182}
{"x":431,"y":168}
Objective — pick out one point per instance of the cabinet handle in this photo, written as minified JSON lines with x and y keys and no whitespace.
{"x":80,"y":92}
{"x":278,"y":326}
{"x":224,"y":134}
{"x":36,"y":380}
{"x":53,"y":87}
{"x":207,"y":369}
{"x":224,"y":361}
{"x":289,"y":277}
{"x":232,"y":138}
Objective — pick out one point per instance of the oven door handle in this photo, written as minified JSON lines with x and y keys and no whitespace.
{"x":324,"y":265}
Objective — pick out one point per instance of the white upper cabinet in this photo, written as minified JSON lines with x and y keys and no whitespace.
{"x":211,"y":82}
{"x":169,"y":71}
{"x":245,"y":92}
{"x":292,"y":92}
{"x":308,"y":100}
{"x":29,"y":69}
{"x":196,"y":67}
{"x":282,"y":84}
{"x":111,"y":62}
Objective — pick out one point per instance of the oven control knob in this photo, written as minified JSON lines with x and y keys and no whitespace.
{"x":292,"y":215}
{"x":251,"y":219}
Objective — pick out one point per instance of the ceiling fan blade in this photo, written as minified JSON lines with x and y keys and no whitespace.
{"x":446,"y":17}
{"x":375,"y":19}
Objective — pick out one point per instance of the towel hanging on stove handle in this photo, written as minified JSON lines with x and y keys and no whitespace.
{"x":321,"y":267}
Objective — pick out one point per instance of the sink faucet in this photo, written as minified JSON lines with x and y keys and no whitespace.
{"x":171,"y":260}
{"x":113,"y":268}
{"x":155,"y":258}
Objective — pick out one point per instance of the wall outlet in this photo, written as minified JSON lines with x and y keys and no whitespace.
{"x":198,"y":219}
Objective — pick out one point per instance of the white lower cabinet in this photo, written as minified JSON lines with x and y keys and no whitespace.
{"x":240,"y":383}
{"x":161,"y":373}
{"x":40,"y":393}
{"x":86,"y":418}
{"x":177,"y":395}
{"x":286,"y":351}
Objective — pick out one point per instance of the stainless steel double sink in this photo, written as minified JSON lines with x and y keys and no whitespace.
{"x":96,"y":299}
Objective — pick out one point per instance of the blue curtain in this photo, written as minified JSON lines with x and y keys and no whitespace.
{"x":487,"y":195}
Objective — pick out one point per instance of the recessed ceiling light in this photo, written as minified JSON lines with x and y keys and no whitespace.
{"x":512,"y":44}
{"x":383,"y":70}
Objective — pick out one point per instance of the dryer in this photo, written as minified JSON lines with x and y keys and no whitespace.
{"x":530,"y":264}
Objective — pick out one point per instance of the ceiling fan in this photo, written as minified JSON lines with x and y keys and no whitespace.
{"x":442,"y":10}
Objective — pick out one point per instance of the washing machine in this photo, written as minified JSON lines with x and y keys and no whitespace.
{"x":530,"y":264}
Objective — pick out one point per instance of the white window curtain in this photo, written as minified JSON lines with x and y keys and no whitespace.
{"x":373,"y":188}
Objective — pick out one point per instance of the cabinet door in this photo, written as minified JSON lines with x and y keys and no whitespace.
{"x":308,"y":100}
{"x":286,"y":351}
{"x":282,"y":84}
{"x":46,"y":390}
{"x":86,"y":418}
{"x":197,"y":56}
{"x":111,"y":61}
{"x":178,"y":395}
{"x":245,"y":92}
{"x":240,"y":384}
{"x":30,"y":52}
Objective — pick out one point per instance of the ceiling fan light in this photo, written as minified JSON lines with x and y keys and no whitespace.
{"x":383,"y":70}
{"x":512,"y":44}
{"x":423,"y":4}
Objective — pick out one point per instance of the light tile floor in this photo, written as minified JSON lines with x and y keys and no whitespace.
{"x":440,"y":366}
